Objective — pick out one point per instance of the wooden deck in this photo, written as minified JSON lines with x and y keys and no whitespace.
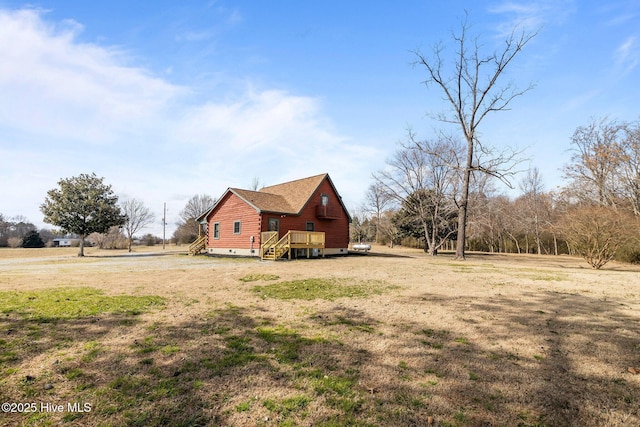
{"x":273,"y":248}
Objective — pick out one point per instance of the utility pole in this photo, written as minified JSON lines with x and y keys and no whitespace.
{"x":164,"y":223}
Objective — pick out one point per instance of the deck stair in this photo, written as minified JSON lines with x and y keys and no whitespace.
{"x":198,"y":246}
{"x":273,"y":248}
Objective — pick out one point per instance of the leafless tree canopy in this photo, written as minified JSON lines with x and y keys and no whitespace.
{"x":188,"y":228}
{"x":597,"y":157}
{"x":472,"y":90}
{"x":196,"y":206}
{"x":137,"y":216}
{"x":376,"y":201}
{"x":423,"y":178}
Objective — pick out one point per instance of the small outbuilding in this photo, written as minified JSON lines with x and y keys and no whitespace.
{"x":305,"y":217}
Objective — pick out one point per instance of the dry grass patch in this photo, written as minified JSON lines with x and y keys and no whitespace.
{"x":381,"y":339}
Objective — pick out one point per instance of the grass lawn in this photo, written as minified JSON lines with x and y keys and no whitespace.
{"x":393,"y":337}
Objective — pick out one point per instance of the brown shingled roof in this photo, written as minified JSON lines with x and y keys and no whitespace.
{"x":297,"y":193}
{"x":286,"y":198}
{"x":289,"y":197}
{"x":264,"y":201}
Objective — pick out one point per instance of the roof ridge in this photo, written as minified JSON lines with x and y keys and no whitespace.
{"x":295,"y":180}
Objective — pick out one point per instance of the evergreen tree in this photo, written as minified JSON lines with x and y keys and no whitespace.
{"x":82,"y":205}
{"x":32,"y":240}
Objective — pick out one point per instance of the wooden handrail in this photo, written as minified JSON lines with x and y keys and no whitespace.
{"x":198,"y":245}
{"x":267,"y":240}
{"x":293,"y":239}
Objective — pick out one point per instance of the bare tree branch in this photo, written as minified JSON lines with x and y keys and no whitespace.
{"x":472,"y":92}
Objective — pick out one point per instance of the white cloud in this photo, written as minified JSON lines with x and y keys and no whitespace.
{"x":627,"y":55}
{"x":56,"y":87}
{"x":532,"y":15}
{"x":70,"y":107}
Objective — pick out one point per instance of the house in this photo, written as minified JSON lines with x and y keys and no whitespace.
{"x":65,"y":242}
{"x":305,"y":217}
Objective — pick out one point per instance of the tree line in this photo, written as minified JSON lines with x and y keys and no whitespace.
{"x":441,"y":191}
{"x":596,"y":214}
{"x":86,"y":209}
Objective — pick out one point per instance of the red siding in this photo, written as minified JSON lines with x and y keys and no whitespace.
{"x":230,"y":209}
{"x":336,"y":230}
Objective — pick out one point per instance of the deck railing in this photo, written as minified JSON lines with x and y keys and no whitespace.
{"x":272,"y":248}
{"x":267,"y":240}
{"x":198,"y":246}
{"x":328,"y":211}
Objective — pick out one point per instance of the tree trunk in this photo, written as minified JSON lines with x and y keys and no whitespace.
{"x":464,"y":201}
{"x":81,"y":251}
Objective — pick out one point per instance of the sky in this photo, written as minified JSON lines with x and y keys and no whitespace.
{"x":166,"y":99}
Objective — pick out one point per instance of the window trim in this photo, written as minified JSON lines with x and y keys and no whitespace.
{"x":239,"y":224}
{"x":275,"y":221}
{"x":216,"y":231}
{"x":313,"y":226}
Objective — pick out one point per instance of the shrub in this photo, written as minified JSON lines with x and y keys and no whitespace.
{"x":14,"y":242}
{"x":597,"y":232}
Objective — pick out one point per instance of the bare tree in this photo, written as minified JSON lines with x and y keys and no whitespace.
{"x":360,"y":227}
{"x":630,"y":167}
{"x":472,"y":92}
{"x":421,"y":179}
{"x":188,"y":228}
{"x":533,"y":213}
{"x":388,"y":229}
{"x":597,"y":156}
{"x":138,"y":216}
{"x":256,"y":183}
{"x":376,"y":201}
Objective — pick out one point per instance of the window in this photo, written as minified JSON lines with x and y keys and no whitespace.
{"x":274,"y":224}
{"x":310,"y":226}
{"x":324,"y":200}
{"x":236,"y":227}
{"x":216,"y":230}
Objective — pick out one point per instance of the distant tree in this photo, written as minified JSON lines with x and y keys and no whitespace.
{"x":388,"y":230}
{"x":361,"y":228}
{"x":376,"y":201}
{"x":48,"y":235}
{"x":418,"y":218}
{"x":98,"y":239}
{"x":256,"y":183}
{"x":14,"y":242}
{"x":534,"y":212}
{"x":137,"y":216}
{"x":471,"y":90}
{"x":112,"y":239}
{"x":149,"y":239}
{"x":4,"y":228}
{"x":32,"y":240}
{"x":596,"y":160}
{"x":82,"y":205}
{"x":630,"y":168}
{"x":188,"y":228}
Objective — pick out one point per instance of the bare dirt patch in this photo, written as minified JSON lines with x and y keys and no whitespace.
{"x":495,"y":340}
